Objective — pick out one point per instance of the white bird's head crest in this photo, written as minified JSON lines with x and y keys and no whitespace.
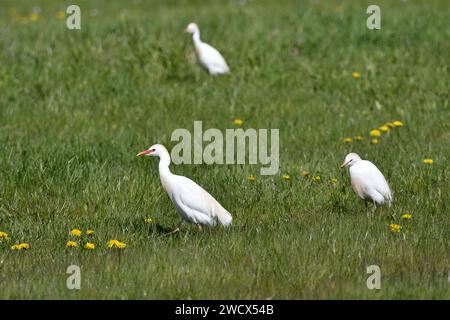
{"x":350,"y":160}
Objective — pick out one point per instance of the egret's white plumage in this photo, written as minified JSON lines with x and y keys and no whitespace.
{"x":207,"y":56}
{"x":367,"y":180}
{"x":193,"y":203}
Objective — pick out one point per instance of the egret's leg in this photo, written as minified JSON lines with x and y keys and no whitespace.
{"x":199,"y":227}
{"x":374,"y":207}
{"x":177,"y":229}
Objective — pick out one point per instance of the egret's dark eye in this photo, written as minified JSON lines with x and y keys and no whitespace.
{"x":153,"y":150}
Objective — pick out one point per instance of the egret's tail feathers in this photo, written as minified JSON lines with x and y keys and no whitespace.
{"x":389,"y":198}
{"x":224,"y":216}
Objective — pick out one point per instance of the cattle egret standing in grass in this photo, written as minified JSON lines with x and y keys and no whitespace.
{"x":207,"y":56}
{"x":367,"y":181}
{"x":193,"y":203}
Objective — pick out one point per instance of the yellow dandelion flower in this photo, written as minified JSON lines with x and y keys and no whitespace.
{"x":384,"y":128}
{"x":20,"y":246}
{"x":3,"y":235}
{"x":316,"y":178}
{"x":407,"y":216}
{"x":347,"y":140}
{"x":148,"y":220}
{"x":251,"y":178}
{"x":90,"y":232}
{"x":356,"y":74}
{"x":24,"y":246}
{"x":397,"y":123}
{"x":374,"y":141}
{"x":75,"y":232}
{"x":305,"y":173}
{"x":33,"y":17}
{"x":89,"y":246}
{"x":60,"y":15}
{"x":116,"y":244}
{"x":428,"y":161}
{"x":238,"y":122}
{"x":71,"y":244}
{"x":359,"y":137}
{"x":375,"y":133}
{"x":286,"y":177}
{"x":390,"y":125}
{"x":396,"y":228}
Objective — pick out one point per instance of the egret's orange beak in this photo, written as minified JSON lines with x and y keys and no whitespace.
{"x":143,"y":153}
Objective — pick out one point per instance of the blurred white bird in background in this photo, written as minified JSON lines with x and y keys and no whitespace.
{"x":193,"y":203}
{"x":367,"y":181}
{"x":207,"y":56}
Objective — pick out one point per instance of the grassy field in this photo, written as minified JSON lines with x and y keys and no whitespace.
{"x":76,"y":107}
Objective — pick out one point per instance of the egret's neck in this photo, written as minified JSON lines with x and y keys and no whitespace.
{"x":164,"y":162}
{"x":196,"y":37}
{"x":353,"y":163}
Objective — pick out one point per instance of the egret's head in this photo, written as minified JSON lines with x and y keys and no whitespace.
{"x":156,"y":150}
{"x":192,"y":28}
{"x":350,"y":160}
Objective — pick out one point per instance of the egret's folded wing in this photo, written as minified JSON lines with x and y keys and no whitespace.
{"x":211,"y":56}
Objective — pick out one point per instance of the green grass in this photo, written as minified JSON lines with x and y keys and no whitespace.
{"x":76,"y":107}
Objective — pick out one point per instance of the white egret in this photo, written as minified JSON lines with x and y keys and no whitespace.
{"x":193,"y":203}
{"x":207,"y":56}
{"x":367,"y":181}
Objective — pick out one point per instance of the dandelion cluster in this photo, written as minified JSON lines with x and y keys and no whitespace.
{"x":78,"y":233}
{"x":375,"y":134}
{"x":20,"y":247}
{"x":315,"y":178}
{"x":34,"y":16}
{"x":16,"y":247}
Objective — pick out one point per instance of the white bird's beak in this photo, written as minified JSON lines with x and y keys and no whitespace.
{"x":344,"y":164}
{"x":143,"y":153}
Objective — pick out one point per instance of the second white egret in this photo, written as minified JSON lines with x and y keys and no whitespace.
{"x":207,"y":56}
{"x":367,"y":180}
